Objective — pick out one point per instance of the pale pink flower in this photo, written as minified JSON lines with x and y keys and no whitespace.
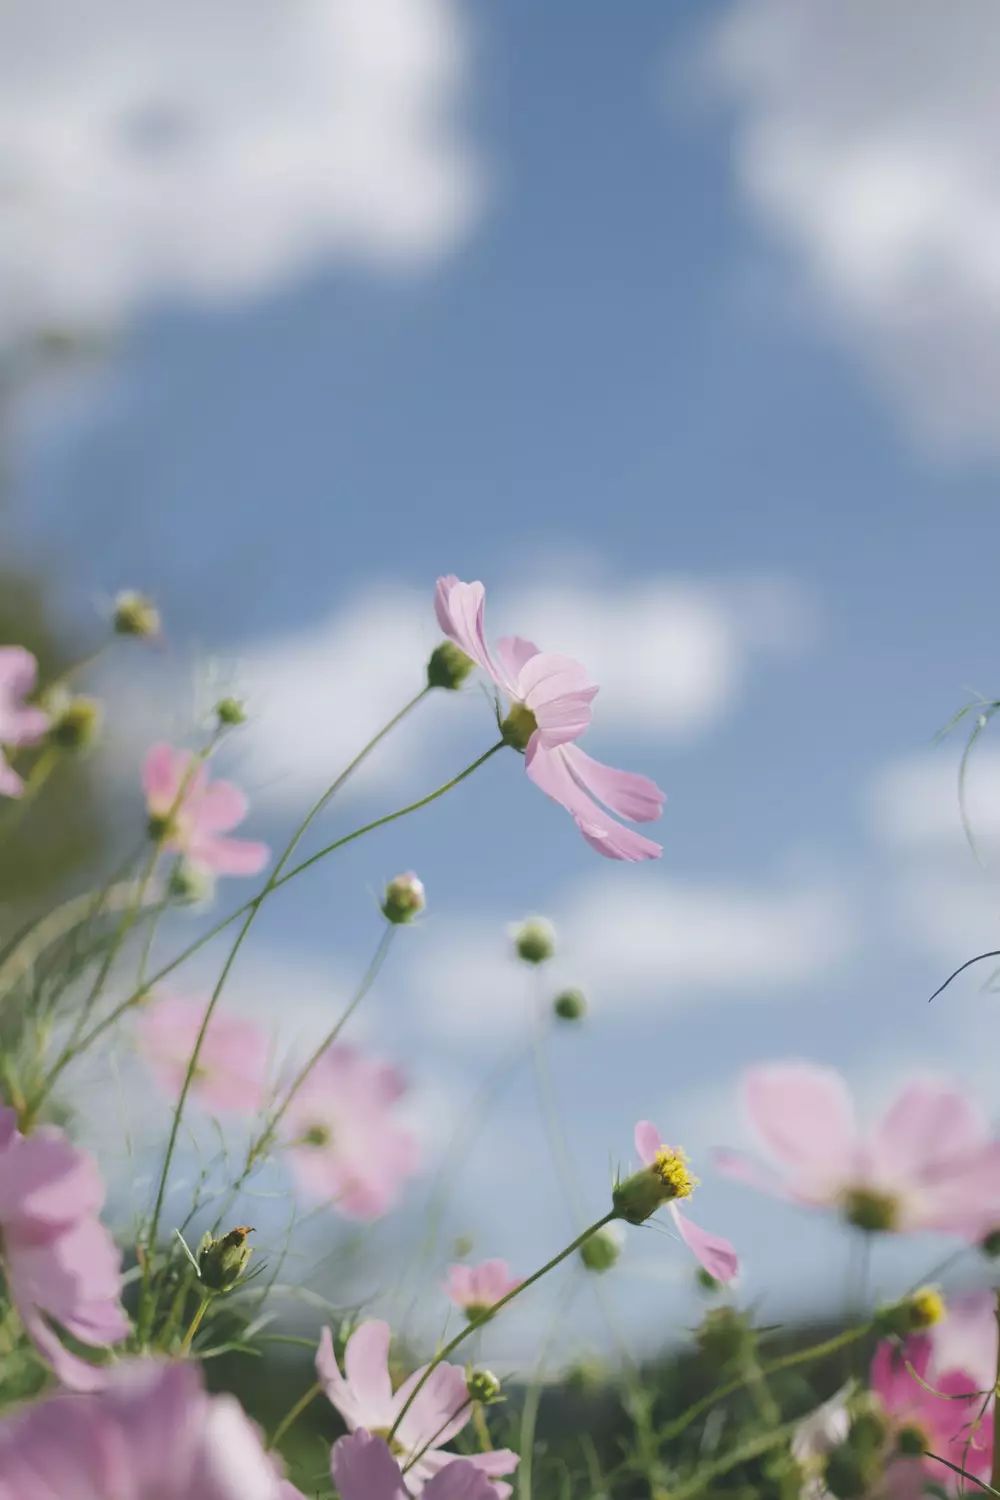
{"x":59,"y":1261}
{"x":711,"y":1251}
{"x":232,"y":1064}
{"x":363,"y":1468}
{"x":551,"y":697}
{"x":364,"y":1397}
{"x":477,"y":1288}
{"x":345,"y":1141}
{"x":931,"y":1162}
{"x":152,"y":1434}
{"x":20,"y":724}
{"x":206,"y":811}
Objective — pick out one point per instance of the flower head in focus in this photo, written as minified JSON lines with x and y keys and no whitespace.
{"x":364,"y":1397}
{"x":60,"y":1263}
{"x":664,"y":1179}
{"x":232,"y":1065}
{"x":152,"y":1434}
{"x":475,"y":1289}
{"x":345,"y":1141}
{"x":549,"y":698}
{"x":191,"y":814}
{"x":931,"y":1162}
{"x":20,"y":723}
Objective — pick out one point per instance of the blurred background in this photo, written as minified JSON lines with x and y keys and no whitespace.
{"x":678,"y":326}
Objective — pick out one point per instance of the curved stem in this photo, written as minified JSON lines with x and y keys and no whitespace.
{"x":195,"y":1324}
{"x":491,"y":1312}
{"x":993,"y":953}
{"x":296,"y":1411}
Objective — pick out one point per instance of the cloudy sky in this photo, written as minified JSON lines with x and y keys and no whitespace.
{"x":681,"y":331}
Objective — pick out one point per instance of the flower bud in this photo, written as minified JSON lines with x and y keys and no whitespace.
{"x":222,"y":1262}
{"x":448,"y":666}
{"x":534,"y":940}
{"x":74,"y":722}
{"x":912,"y":1314}
{"x":725,"y":1335}
{"x":484,"y":1387}
{"x":404,"y":898}
{"x":570,"y":1005}
{"x":136,"y":615}
{"x":868,"y":1430}
{"x":230,"y":712}
{"x":848,"y":1474}
{"x":601,"y":1251}
{"x":990,"y":1246}
{"x":911,"y":1441}
{"x":188,"y":883}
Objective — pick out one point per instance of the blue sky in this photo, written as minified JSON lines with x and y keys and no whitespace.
{"x":620,"y":385}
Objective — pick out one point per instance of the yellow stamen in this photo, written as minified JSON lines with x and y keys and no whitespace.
{"x":672,"y":1169}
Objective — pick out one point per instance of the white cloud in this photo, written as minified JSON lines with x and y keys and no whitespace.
{"x":866,"y":140}
{"x":150,"y":150}
{"x":914,"y":802}
{"x":657,"y":942}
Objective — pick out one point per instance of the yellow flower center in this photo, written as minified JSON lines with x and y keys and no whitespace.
{"x":671,"y":1167}
{"x":926,"y":1307}
{"x":395,"y":1446}
{"x":868,"y":1209}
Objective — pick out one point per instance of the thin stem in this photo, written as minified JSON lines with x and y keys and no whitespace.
{"x":195,"y":1324}
{"x":491,"y":1312}
{"x":434,"y":1438}
{"x":995,"y":1466}
{"x":989,"y":1489}
{"x":993,"y":953}
{"x":731,"y":1460}
{"x":291,"y":1417}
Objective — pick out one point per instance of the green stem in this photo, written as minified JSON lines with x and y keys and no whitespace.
{"x":732,"y":1460}
{"x":195,"y":1324}
{"x":989,"y":1489}
{"x":491,"y":1312}
{"x":293,"y":1416}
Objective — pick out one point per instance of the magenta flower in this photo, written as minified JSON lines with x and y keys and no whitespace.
{"x":363,"y":1468}
{"x":61,"y":1265}
{"x":668,"y":1166}
{"x":476,"y":1288}
{"x":20,"y":724}
{"x":345,"y":1141}
{"x":191,"y":814}
{"x":232,"y":1065}
{"x":364,"y":1397}
{"x":550,"y":699}
{"x":152,"y":1434}
{"x":931,"y":1161}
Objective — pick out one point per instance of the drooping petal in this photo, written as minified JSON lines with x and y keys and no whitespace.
{"x":363,"y":1468}
{"x":366,"y":1365}
{"x":47,"y":1180}
{"x":548,"y":770}
{"x":623,"y":792}
{"x":70,"y":1370}
{"x":559,"y":693}
{"x":338,"y":1392}
{"x":647,"y":1141}
{"x":460,"y":609}
{"x":804,"y":1115}
{"x":711,"y":1251}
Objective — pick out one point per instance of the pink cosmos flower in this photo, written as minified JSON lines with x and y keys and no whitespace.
{"x":153,"y":1434}
{"x":477,"y":1288}
{"x":344,"y":1139}
{"x":206,"y":811}
{"x":364,"y":1397}
{"x":931,"y":1161}
{"x":61,"y":1265}
{"x":232,"y":1065}
{"x":550,"y":697}
{"x":20,"y":724}
{"x":713,"y":1253}
{"x":363,"y":1468}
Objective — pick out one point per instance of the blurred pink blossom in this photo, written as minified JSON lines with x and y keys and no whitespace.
{"x":931,"y":1162}
{"x":713,"y":1253}
{"x":232,"y":1065}
{"x":20,"y":724}
{"x":551,"y":697}
{"x":152,"y":1434}
{"x":476,"y":1288}
{"x":206,"y":811}
{"x":363,"y":1468}
{"x":345,"y":1141}
{"x":60,"y":1263}
{"x":364,"y":1397}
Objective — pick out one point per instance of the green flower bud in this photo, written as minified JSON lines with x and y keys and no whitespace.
{"x":74,"y":723}
{"x":913,"y":1314}
{"x":535,"y":940}
{"x":847,"y":1473}
{"x":725,"y":1335}
{"x":136,"y":615}
{"x":448,"y":667}
{"x":603,"y":1249}
{"x":484,"y":1387}
{"x":230,"y":712}
{"x":404,"y":898}
{"x":570,"y":1005}
{"x":222,"y":1262}
{"x":911,"y":1441}
{"x":868,"y":1430}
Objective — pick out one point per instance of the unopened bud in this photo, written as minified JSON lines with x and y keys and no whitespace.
{"x":570,"y":1005}
{"x":913,"y":1314}
{"x":448,"y":666}
{"x":136,"y":615}
{"x":222,"y":1262}
{"x":404,"y":898}
{"x":847,"y":1473}
{"x":725,"y":1335}
{"x":602,"y":1250}
{"x":868,"y":1430}
{"x":188,"y":883}
{"x":230,"y":712}
{"x":74,"y":723}
{"x":484,"y":1387}
{"x":534,"y":940}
